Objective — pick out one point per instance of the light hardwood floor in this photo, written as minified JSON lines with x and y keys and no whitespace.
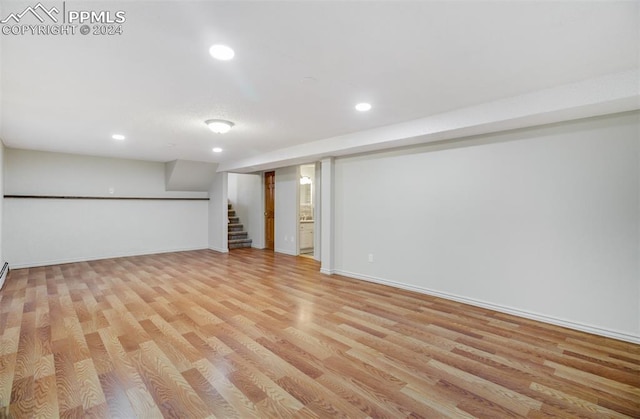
{"x":257,"y":334}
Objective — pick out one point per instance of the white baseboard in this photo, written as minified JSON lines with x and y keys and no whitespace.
{"x":331,"y":272}
{"x":101,"y":257}
{"x":286,"y":252}
{"x":615,"y":334}
{"x":219,"y":249}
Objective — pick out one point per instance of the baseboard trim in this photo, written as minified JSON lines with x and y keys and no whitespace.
{"x":219,"y":249}
{"x":3,"y":274}
{"x":330,"y":272}
{"x":92,"y":258}
{"x":614,"y":334}
{"x":286,"y":252}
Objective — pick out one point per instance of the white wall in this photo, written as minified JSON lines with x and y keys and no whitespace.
{"x":218,"y":215}
{"x":43,"y":173}
{"x":49,"y":231}
{"x":232,"y":188}
{"x":317,"y":214}
{"x":246,"y":193}
{"x":541,"y":222}
{"x":286,"y":210}
{"x":1,"y":201}
{"x":327,"y":219}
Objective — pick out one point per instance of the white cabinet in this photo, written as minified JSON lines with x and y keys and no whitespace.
{"x":306,"y":235}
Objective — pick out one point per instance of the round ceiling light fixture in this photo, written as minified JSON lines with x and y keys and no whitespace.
{"x":221,"y":52}
{"x":363,"y":107}
{"x":118,"y":137}
{"x":219,"y":126}
{"x":217,"y":150}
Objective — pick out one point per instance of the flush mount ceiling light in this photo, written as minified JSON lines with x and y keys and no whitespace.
{"x":118,"y":137}
{"x":217,"y":150}
{"x":363,"y":107}
{"x":221,"y":52}
{"x":219,"y":126}
{"x":305,"y":180}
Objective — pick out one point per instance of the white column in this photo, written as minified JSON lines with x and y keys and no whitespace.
{"x":218,"y":214}
{"x":317,"y":202}
{"x":327,"y":261}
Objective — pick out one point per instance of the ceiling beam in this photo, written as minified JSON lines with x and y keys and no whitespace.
{"x":612,"y":93}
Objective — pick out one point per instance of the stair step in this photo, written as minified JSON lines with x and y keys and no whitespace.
{"x":234,"y":220}
{"x":237,"y":234}
{"x":238,"y":243}
{"x":231,"y":213}
{"x":235,"y":227}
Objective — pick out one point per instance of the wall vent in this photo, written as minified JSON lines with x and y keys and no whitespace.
{"x":3,"y":274}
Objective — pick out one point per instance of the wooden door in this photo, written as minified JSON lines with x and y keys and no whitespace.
{"x":269,"y":209}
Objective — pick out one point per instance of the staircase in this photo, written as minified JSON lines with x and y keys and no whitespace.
{"x":237,"y":236}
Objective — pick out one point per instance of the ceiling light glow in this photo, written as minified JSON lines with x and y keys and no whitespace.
{"x":219,"y":126}
{"x":363,"y":107}
{"x":118,"y":137}
{"x":217,"y":150}
{"x":221,"y":52}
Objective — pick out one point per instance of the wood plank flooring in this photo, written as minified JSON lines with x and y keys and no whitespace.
{"x":257,"y":334}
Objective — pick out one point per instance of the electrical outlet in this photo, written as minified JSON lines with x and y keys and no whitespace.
{"x":370,"y":257}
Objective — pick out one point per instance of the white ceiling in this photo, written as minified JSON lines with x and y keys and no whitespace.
{"x":157,"y":84}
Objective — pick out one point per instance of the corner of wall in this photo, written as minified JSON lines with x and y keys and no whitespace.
{"x":286,"y":210}
{"x":218,"y":219}
{"x":2,"y":276}
{"x":168,"y":170}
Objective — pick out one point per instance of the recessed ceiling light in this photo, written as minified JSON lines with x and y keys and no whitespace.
{"x":219,"y":126}
{"x":217,"y":150}
{"x":118,"y":137}
{"x":363,"y":107}
{"x":221,"y":52}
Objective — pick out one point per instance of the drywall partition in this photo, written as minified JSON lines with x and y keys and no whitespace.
{"x":328,"y":216}
{"x":317,"y":214}
{"x":286,"y":210}
{"x":246,"y":193}
{"x":106,"y":218}
{"x":232,"y":189}
{"x":48,"y":232}
{"x":218,"y":215}
{"x":2,"y":278}
{"x":252,"y":202}
{"x":43,"y":173}
{"x":541,"y":222}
